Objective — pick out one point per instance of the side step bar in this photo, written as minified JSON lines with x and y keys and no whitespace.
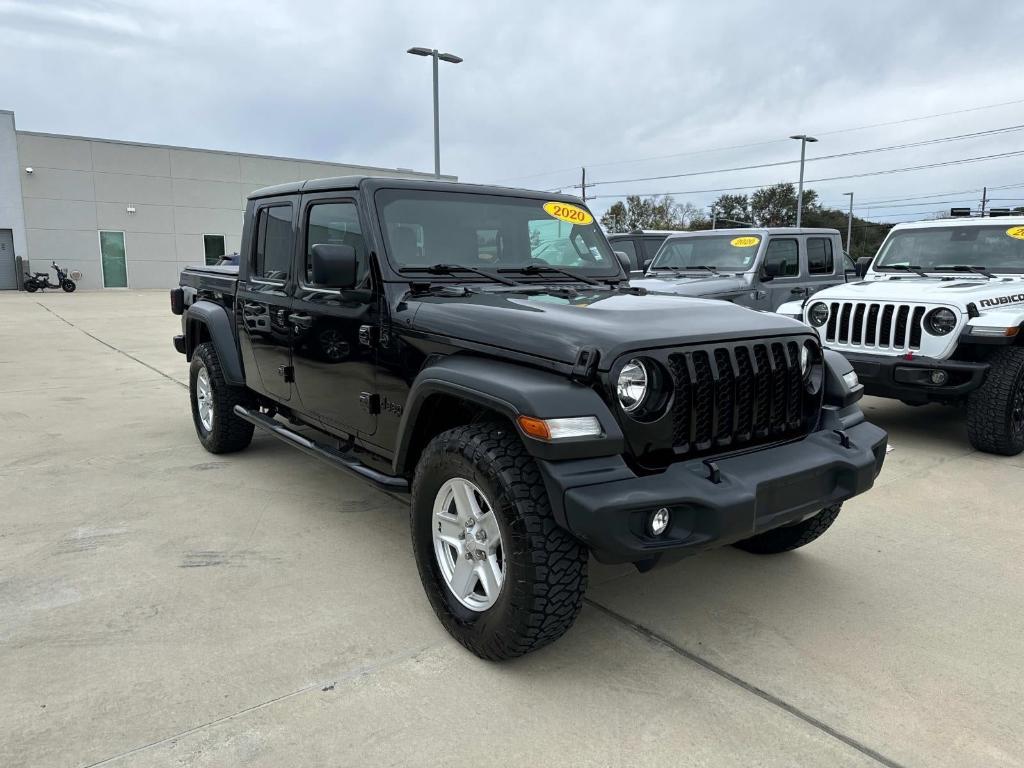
{"x":323,"y":452}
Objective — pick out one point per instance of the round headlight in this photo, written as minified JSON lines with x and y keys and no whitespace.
{"x":818,"y":314}
{"x":805,"y":360}
{"x":940,"y":321}
{"x":631,"y":387}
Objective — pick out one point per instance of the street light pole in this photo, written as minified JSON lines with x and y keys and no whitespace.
{"x":849,"y":222}
{"x":804,"y":140}
{"x":435,"y":55}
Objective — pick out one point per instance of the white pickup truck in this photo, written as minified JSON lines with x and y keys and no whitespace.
{"x":937,"y":317}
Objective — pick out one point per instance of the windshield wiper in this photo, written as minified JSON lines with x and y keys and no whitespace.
{"x":913,"y":269}
{"x":451,"y":269}
{"x":965,"y":268}
{"x":536,"y":269}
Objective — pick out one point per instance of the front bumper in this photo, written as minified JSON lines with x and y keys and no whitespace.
{"x":903,"y":379}
{"x":758,"y":491}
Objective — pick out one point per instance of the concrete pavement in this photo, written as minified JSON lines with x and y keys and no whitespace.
{"x":160,"y":605}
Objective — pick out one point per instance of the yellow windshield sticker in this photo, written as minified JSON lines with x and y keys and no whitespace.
{"x":568,"y":212}
{"x":1016,"y":232}
{"x":744,"y":242}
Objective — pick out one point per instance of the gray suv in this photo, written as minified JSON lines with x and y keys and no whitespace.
{"x":759,"y":268}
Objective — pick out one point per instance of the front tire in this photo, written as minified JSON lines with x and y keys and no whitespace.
{"x":995,"y":410}
{"x":213,"y":402}
{"x":68,"y":286}
{"x":791,"y":537}
{"x":478,"y":492}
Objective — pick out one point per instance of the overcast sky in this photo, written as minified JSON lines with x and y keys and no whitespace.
{"x":545,"y":87}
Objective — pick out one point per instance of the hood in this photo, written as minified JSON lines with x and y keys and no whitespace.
{"x":723,"y":286}
{"x":557,"y":327}
{"x":957,"y":292}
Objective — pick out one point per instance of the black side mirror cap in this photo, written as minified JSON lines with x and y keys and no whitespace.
{"x":334,"y":266}
{"x":624,"y":261}
{"x":863,"y":264}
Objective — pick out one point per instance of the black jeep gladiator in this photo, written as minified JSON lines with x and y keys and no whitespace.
{"x":535,"y":409}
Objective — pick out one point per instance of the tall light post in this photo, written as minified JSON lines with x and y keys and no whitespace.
{"x":804,"y":140}
{"x":849,"y":222}
{"x":435,"y":55}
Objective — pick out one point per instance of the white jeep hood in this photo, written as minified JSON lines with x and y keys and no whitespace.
{"x":958,"y":292}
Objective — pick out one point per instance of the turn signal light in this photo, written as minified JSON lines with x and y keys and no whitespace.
{"x":560,"y":429}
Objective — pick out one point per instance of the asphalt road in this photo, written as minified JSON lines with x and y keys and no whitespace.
{"x":163,"y":606}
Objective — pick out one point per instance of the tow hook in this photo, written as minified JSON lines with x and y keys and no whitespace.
{"x":844,"y":439}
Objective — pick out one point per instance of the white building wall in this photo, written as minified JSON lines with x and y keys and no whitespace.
{"x":12,"y":215}
{"x":80,"y":186}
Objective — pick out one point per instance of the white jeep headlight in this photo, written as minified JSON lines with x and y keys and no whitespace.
{"x":817,"y":315}
{"x":631,"y":388}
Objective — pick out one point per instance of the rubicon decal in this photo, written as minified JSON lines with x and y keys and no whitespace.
{"x":1013,"y":298}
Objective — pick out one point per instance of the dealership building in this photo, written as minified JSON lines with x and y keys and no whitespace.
{"x":126,"y":214}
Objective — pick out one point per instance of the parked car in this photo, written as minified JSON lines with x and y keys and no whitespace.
{"x":759,"y":268}
{"x":938,"y":318}
{"x":533,"y":413}
{"x":639,"y":246}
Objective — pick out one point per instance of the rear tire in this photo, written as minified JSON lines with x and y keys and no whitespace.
{"x":791,"y":537}
{"x":995,"y":410}
{"x":31,"y":287}
{"x":542,"y":568}
{"x":213,"y":402}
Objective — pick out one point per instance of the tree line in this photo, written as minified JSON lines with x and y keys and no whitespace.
{"x":773,"y":206}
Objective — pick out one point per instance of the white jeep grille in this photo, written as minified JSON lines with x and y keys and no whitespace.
{"x":874,"y":324}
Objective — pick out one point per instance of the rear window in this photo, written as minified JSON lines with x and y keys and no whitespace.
{"x":819,"y":256}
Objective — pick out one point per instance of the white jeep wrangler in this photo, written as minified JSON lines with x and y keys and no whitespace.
{"x":937,"y":317}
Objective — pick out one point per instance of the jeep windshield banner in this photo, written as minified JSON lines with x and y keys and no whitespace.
{"x":996,"y":248}
{"x":492,"y":232}
{"x":724,"y":253}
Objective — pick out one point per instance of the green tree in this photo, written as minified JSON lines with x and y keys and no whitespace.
{"x":648,"y":213}
{"x":731,"y":209}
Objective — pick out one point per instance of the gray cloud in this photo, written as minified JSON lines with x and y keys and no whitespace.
{"x":543,"y":88}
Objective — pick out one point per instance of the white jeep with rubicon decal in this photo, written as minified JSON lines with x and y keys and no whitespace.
{"x":937,"y":317}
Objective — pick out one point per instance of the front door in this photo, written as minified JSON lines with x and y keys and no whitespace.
{"x":782,"y":257}
{"x":264,"y":302}
{"x":112,"y":257}
{"x":8,"y":270}
{"x":335,"y":331}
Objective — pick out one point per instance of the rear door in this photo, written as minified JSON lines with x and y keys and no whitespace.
{"x":335,"y":332}
{"x":824,"y":263}
{"x":264,"y":296}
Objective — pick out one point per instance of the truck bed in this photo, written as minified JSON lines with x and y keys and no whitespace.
{"x":216,"y":280}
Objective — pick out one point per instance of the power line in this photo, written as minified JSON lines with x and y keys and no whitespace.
{"x":909,"y":145}
{"x":766,"y":142}
{"x":888,"y":171}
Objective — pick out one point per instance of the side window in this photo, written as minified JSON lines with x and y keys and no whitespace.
{"x":627,"y":247}
{"x":819,"y":256}
{"x":785,"y":255}
{"x":273,"y":256}
{"x":651,"y":246}
{"x":335,"y":224}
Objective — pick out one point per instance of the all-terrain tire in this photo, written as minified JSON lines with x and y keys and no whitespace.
{"x":791,"y":536}
{"x":227,"y":432}
{"x":545,"y":567}
{"x":995,"y":410}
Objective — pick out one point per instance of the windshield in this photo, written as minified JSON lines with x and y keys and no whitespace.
{"x":726,"y":253}
{"x":996,"y":248}
{"x":425,"y":228}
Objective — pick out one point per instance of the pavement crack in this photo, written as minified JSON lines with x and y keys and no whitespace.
{"x":111,"y":346}
{"x":772,"y":699}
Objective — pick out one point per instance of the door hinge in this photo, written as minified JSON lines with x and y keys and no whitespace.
{"x":287,"y":373}
{"x":585,"y":367}
{"x":370,"y":402}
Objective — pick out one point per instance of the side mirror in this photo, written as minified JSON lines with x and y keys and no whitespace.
{"x":624,"y":261}
{"x":863,"y":264}
{"x":770,"y":271}
{"x":334,"y":266}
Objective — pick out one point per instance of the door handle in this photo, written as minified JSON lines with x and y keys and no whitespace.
{"x":798,"y":291}
{"x":304,"y":322}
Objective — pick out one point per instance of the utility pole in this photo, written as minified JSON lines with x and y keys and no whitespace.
{"x":803,"y":139}
{"x":849,"y":223}
{"x":583,"y":184}
{"x":984,"y":199}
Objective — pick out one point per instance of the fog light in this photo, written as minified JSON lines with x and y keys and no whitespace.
{"x":659,"y":521}
{"x":939,"y":377}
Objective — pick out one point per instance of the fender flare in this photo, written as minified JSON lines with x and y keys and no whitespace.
{"x":510,"y":390}
{"x":221,"y":329}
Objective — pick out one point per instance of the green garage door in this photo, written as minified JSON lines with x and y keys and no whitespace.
{"x":115,"y":271}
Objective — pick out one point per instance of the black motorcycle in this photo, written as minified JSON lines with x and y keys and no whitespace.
{"x":40,"y":281}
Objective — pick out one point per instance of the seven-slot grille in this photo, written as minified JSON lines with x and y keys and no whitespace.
{"x":738,"y":395}
{"x":880,"y":325}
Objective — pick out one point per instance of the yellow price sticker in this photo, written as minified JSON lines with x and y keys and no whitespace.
{"x":744,"y":242}
{"x":1016,"y":232}
{"x":568,"y":212}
